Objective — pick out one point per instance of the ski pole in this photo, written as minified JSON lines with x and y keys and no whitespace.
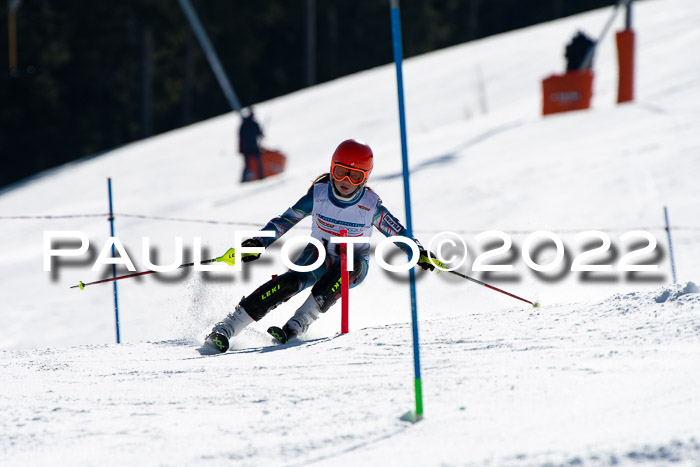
{"x":535,"y":304}
{"x":228,"y":258}
{"x":442,"y":267}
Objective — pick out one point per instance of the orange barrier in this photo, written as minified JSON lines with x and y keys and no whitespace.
{"x":625,"y":61}
{"x":571,"y":91}
{"x":273,"y":163}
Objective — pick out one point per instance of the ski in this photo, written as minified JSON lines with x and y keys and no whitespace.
{"x":216,"y":342}
{"x":278,"y":334}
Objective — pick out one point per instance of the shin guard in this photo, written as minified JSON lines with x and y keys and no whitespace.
{"x":266,"y":297}
{"x":327,"y":290}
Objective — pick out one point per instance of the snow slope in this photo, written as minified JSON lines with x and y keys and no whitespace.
{"x":605,"y":373}
{"x":613,"y":383}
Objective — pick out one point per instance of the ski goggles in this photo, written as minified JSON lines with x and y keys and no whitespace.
{"x":354,"y":176}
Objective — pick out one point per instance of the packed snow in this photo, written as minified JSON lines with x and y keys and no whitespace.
{"x":606,"y":372}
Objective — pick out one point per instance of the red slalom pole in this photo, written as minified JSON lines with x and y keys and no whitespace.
{"x":344,"y":285}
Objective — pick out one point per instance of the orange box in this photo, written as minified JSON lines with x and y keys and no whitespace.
{"x":273,"y":163}
{"x":571,"y":91}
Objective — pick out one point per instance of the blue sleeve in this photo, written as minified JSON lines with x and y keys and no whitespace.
{"x":288,"y":219}
{"x":390,"y":226}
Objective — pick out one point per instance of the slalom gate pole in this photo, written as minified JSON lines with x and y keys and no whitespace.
{"x":344,"y":286}
{"x":114,"y":266}
{"x":226,"y":258}
{"x":670,"y":245}
{"x":398,"y":58}
{"x":535,"y":304}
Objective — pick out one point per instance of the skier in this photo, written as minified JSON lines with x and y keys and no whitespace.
{"x":249,"y":135}
{"x":337,"y":199}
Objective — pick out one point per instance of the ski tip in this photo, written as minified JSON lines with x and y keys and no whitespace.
{"x":216,"y":341}
{"x":278,"y":333}
{"x":208,"y":349}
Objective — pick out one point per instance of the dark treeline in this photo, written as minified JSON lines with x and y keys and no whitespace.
{"x":91,"y":76}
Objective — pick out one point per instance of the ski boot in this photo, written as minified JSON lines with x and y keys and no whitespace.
{"x":223,"y":331}
{"x":307,"y":313}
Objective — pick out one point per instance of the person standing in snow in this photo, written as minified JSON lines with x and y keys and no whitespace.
{"x":336,"y":200}
{"x":249,"y":135}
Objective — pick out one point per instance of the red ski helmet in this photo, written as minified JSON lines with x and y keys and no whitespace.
{"x":352,"y":159}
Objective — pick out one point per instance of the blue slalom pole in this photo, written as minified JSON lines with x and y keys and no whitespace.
{"x":398,"y":59}
{"x":114,"y":266}
{"x":670,"y":245}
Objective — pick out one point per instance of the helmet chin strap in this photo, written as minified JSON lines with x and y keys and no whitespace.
{"x":349,"y":197}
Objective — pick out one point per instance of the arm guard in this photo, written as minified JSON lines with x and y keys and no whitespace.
{"x":288,"y":219}
{"x":390,"y":226}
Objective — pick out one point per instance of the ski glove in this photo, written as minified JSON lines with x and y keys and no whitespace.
{"x":428,"y":261}
{"x":251,"y":242}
